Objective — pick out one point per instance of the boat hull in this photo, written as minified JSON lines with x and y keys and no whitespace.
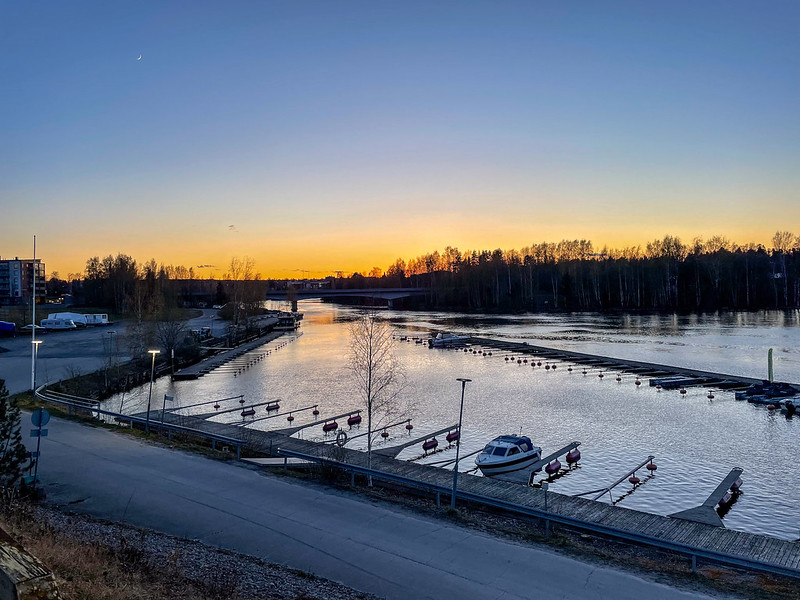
{"x":508,"y":466}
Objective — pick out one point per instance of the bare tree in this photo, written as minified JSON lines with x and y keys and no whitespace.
{"x":170,"y":331}
{"x":377,"y":373}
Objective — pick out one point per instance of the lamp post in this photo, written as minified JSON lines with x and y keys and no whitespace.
{"x":35,"y":357}
{"x":458,"y":441}
{"x":150,"y":394}
{"x":33,"y":320}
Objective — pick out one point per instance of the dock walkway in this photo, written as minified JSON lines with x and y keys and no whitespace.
{"x":779,"y":555}
{"x":212,"y":362}
{"x":691,"y":376}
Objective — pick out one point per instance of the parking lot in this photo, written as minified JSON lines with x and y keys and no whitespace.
{"x":64,"y":354}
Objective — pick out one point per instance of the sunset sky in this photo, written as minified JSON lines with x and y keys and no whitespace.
{"x":341,"y":135}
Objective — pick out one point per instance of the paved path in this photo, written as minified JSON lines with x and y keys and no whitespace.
{"x":387,"y":551}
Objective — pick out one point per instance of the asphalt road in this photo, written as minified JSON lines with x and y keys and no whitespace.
{"x":371,"y":547}
{"x":79,"y":351}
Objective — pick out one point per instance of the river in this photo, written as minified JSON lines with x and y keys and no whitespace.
{"x":695,"y":441}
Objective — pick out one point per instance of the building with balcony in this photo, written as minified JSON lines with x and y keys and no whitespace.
{"x":16,"y":280}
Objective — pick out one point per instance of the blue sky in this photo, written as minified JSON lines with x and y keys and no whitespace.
{"x":341,"y":135}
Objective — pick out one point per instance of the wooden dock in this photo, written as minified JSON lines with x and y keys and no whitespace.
{"x":706,"y":513}
{"x":212,"y":362}
{"x":692,"y":377}
{"x":781,"y":554}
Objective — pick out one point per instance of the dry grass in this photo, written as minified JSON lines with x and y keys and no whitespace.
{"x":91,"y":571}
{"x":124,"y":568}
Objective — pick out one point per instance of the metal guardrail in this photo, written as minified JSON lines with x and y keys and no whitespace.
{"x":55,"y":398}
{"x":693,"y":552}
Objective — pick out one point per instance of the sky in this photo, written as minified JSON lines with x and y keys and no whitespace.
{"x":324,"y":136}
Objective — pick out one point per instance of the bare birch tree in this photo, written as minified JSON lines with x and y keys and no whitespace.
{"x":376,"y":372}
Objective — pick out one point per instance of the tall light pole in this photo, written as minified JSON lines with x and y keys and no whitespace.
{"x":458,"y":441}
{"x":35,"y":356}
{"x":33,"y":320}
{"x":150,"y":394}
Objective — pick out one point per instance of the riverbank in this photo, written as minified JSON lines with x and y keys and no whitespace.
{"x":389,"y":551}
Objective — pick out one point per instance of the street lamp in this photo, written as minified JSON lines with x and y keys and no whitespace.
{"x":35,"y":357}
{"x":150,"y":394}
{"x":458,"y":441}
{"x":110,"y":354}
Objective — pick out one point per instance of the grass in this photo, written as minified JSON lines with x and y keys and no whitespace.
{"x":101,"y":572}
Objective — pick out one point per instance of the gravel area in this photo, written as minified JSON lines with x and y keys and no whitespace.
{"x":228,"y":574}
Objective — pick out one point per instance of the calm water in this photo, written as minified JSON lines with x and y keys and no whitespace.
{"x":696,"y":442}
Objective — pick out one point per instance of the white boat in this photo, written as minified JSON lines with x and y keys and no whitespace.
{"x":507,"y":453}
{"x":448,"y":339}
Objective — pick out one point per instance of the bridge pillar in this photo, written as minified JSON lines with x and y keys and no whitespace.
{"x":294,"y":305}
{"x":391,"y":303}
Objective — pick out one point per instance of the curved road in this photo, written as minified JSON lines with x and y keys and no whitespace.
{"x":387,"y":551}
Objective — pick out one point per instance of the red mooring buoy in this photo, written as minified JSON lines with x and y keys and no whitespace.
{"x":573,"y":456}
{"x":634,"y":480}
{"x":430,"y":444}
{"x":409,"y":427}
{"x":330,"y":426}
{"x":290,"y":418}
{"x":451,"y":437}
{"x":651,"y":466}
{"x":553,"y":467}
{"x":354,"y":420}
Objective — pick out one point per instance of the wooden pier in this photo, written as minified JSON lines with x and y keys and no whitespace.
{"x":212,"y":362}
{"x":706,"y":513}
{"x":776,"y":554}
{"x":697,"y":377}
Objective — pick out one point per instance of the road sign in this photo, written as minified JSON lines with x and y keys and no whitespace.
{"x":40,"y":417}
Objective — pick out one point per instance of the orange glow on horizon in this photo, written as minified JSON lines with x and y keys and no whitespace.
{"x":321,"y":255}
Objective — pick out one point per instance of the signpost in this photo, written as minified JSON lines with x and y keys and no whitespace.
{"x":164,"y":406}
{"x":39,"y":418}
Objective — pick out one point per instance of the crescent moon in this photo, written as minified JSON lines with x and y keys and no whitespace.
{"x":140,"y":57}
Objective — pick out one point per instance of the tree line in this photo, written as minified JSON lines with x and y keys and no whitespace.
{"x":665,"y":274}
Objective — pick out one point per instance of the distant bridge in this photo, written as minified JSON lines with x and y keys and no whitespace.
{"x":389,"y":294}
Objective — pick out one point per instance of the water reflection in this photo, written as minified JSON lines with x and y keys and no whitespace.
{"x":696,"y":441}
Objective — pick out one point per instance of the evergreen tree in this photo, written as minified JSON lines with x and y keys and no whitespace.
{"x":12,"y":452}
